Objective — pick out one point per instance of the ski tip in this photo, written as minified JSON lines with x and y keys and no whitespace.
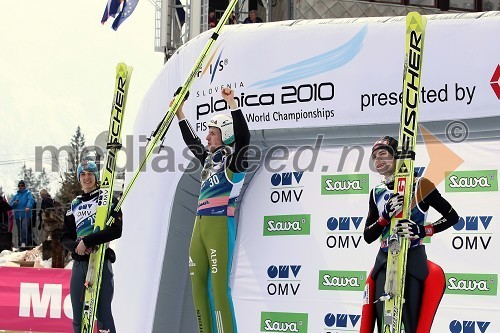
{"x":415,"y":21}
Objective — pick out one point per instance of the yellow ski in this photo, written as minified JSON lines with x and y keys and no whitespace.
{"x":404,"y":176}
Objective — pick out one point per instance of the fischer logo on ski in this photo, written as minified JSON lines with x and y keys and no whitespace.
{"x":96,"y":260}
{"x":404,"y":176}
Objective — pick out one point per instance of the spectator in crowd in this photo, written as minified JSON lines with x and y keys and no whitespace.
{"x":4,"y":214}
{"x":233,"y":19}
{"x":252,"y":17}
{"x":5,"y":232}
{"x":33,"y":217}
{"x":47,"y":202}
{"x":22,"y":202}
{"x":46,"y":205}
{"x":212,"y":21}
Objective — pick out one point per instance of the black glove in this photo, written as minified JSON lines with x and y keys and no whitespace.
{"x":116,"y":215}
{"x":393,"y":206}
{"x":409,"y":229}
{"x":178,"y":91}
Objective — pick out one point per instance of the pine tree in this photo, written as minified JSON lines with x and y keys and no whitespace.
{"x":70,"y":187}
{"x":43,"y":180}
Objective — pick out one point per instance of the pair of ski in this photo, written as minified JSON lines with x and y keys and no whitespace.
{"x":103,"y":215}
{"x":404,"y":176}
{"x":105,"y":199}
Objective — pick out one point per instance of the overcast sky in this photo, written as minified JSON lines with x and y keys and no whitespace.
{"x":57,"y":69}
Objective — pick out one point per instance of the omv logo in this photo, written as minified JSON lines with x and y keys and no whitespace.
{"x":213,"y":67}
{"x":472,"y":232}
{"x":342,"y":232}
{"x":286,"y":178}
{"x":286,"y":187}
{"x":283,"y":280}
{"x":318,"y":64}
{"x":419,"y":171}
{"x":341,"y":320}
{"x":465,"y":326}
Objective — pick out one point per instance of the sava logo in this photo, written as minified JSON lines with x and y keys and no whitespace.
{"x":284,"y":280}
{"x":457,"y":326}
{"x":344,"y":184}
{"x":281,"y":225}
{"x":472,"y":234}
{"x":283,"y":322}
{"x":471,"y":284}
{"x":342,"y":280}
{"x":341,"y":320}
{"x":286,"y":187}
{"x":339,"y":229}
{"x":472,"y":181}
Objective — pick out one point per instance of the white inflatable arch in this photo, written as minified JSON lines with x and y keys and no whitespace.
{"x":316,"y":95}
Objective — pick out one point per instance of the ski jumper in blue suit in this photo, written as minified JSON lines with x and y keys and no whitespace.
{"x":79,"y":224}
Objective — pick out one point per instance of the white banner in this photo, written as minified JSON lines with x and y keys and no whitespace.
{"x":301,"y":247}
{"x":312,"y":74}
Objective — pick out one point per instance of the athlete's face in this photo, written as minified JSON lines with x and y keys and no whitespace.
{"x":87,"y":181}
{"x":214,"y":138}
{"x":383,"y":162}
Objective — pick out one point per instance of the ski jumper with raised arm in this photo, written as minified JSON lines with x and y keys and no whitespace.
{"x":214,"y":232}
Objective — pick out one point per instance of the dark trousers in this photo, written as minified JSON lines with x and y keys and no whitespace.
{"x":104,"y":315}
{"x":416,"y":274}
{"x":24,"y":231}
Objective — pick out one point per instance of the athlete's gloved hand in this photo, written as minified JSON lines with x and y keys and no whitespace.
{"x":411,"y":230}
{"x":393,"y":206}
{"x":178,"y":91}
{"x":116,"y":215}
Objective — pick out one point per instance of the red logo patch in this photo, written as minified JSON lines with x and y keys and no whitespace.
{"x":495,"y":82}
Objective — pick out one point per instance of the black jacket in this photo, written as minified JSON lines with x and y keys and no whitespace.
{"x":69,"y":236}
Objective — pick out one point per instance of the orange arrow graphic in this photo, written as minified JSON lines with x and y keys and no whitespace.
{"x":441,"y":158}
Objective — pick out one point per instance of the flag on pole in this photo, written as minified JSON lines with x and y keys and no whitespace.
{"x":127,"y":9}
{"x":111,"y":10}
